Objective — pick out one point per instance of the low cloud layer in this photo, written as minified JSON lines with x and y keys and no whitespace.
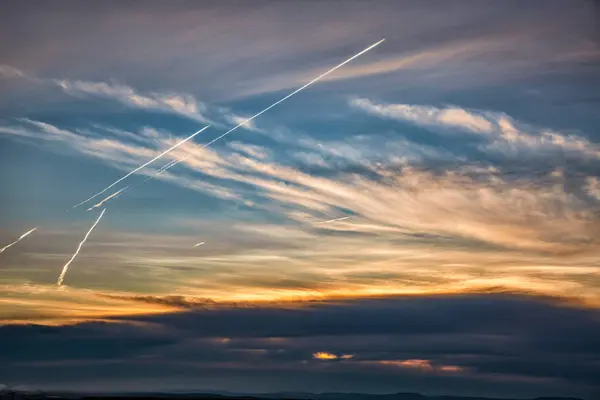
{"x":470,"y":342}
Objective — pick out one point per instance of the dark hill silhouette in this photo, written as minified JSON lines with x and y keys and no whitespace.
{"x":8,"y":394}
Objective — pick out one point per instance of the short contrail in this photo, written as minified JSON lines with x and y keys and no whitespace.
{"x":283,"y":99}
{"x":115,"y":194}
{"x":66,"y":267}
{"x":166,"y":166}
{"x":198,"y":244}
{"x":16,"y":241}
{"x":334,"y":220}
{"x":142,"y":166}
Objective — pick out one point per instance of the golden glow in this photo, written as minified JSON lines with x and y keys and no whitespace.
{"x":420,"y":364}
{"x":322,"y":355}
{"x":49,"y":305}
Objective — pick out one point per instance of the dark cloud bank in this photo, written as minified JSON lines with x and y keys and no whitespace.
{"x":491,"y":345}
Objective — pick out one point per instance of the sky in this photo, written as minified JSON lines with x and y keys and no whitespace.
{"x":425,"y":218}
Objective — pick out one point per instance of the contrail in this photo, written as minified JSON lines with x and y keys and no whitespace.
{"x":66,"y":267}
{"x":197,"y":244}
{"x":115,"y":194}
{"x":283,"y":99}
{"x":158,"y":172}
{"x":333,"y":220}
{"x":16,"y":241}
{"x":175,"y":162}
{"x":142,"y":166}
{"x":166,"y":166}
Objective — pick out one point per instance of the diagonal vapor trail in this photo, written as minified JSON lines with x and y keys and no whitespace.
{"x":17,"y":241}
{"x":115,"y":194}
{"x":282,"y":100}
{"x":333,"y":220}
{"x":175,"y":162}
{"x":66,"y":267}
{"x":118,"y":193}
{"x":164,"y":167}
{"x":158,"y":172}
{"x":142,"y":166}
{"x":198,"y":244}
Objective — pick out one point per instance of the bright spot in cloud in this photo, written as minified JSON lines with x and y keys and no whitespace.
{"x":424,"y":365}
{"x":323,"y":355}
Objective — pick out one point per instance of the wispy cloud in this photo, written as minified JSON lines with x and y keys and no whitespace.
{"x":182,"y":104}
{"x":451,"y":117}
{"x":48,"y":305}
{"x":235,"y":119}
{"x":420,"y":229}
{"x":593,"y":187}
{"x":504,"y":134}
{"x":522,"y":213}
{"x":185,"y":105}
{"x":419,"y":364}
{"x":249,"y":149}
{"x":11,"y":72}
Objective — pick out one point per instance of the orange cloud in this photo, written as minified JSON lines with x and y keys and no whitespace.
{"x":424,"y":365}
{"x":323,"y":355}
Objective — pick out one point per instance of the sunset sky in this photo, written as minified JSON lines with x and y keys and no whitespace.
{"x":464,"y":152}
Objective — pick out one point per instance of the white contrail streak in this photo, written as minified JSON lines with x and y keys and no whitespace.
{"x":333,"y":220}
{"x":166,"y":166}
{"x":115,"y":194}
{"x":142,"y":166}
{"x":16,"y":241}
{"x":66,"y":267}
{"x":198,"y":244}
{"x":283,"y":99}
{"x":158,"y":172}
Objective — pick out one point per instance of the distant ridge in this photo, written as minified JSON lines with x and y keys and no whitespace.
{"x":31,"y":394}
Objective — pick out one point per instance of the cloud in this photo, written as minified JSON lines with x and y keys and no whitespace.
{"x":428,"y":116}
{"x":423,"y":59}
{"x":490,"y":209}
{"x":235,"y":120}
{"x":48,"y":305}
{"x":409,"y":220}
{"x":249,"y":149}
{"x":11,"y":72}
{"x":504,"y":134}
{"x":323,"y":355}
{"x":593,"y":187}
{"x":410,"y":343}
{"x":495,"y":40}
{"x":424,"y":365}
{"x":181,"y":104}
